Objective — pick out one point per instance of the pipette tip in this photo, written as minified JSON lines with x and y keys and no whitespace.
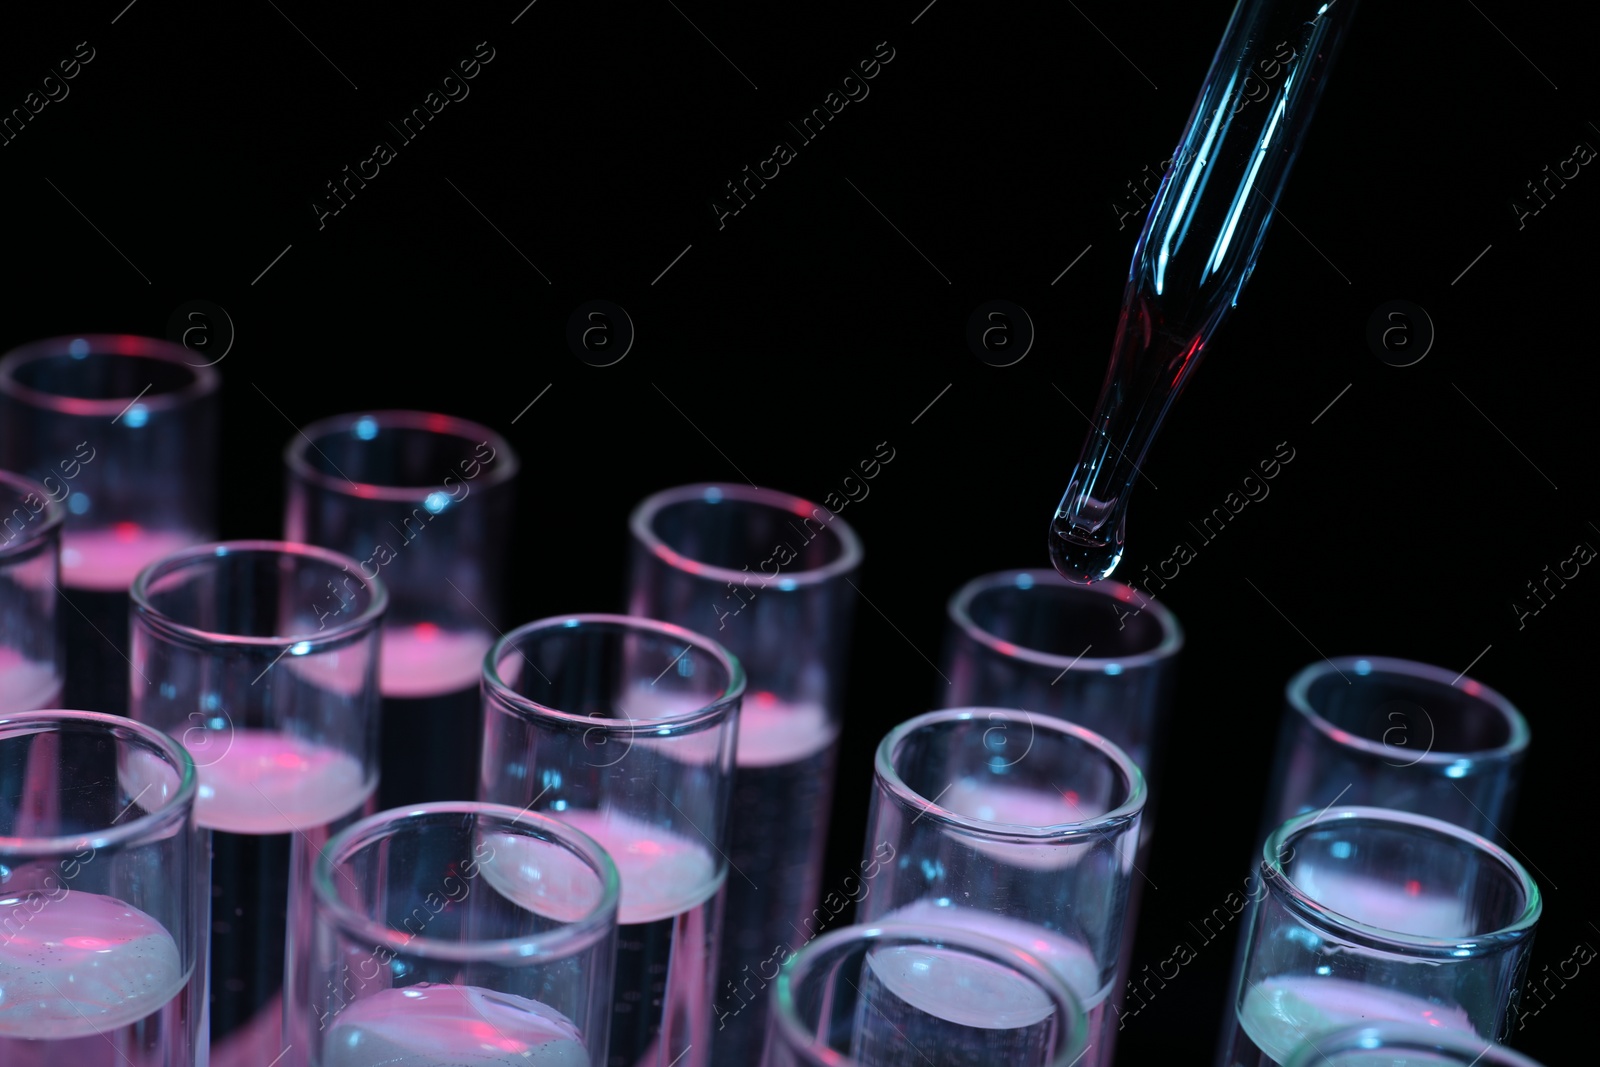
{"x":1079,"y":559}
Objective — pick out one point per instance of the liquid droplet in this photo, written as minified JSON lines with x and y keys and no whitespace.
{"x":1080,"y":557}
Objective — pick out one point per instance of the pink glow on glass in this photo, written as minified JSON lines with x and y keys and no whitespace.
{"x":73,"y":405}
{"x":673,"y":559}
{"x":1189,"y":356}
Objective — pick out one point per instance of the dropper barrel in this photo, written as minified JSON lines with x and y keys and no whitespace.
{"x":1207,"y":223}
{"x":1198,"y":247}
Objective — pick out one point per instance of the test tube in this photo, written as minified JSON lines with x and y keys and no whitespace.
{"x":1017,"y":826}
{"x":456,"y":933}
{"x":30,"y":550}
{"x":625,"y":728}
{"x":261,"y":657}
{"x":122,"y":431}
{"x":425,"y":501}
{"x":1392,"y":1044}
{"x":771,"y":572}
{"x":882,"y":996}
{"x":1103,"y":656}
{"x":1390,"y":733}
{"x":103,"y":895}
{"x":1368,"y":915}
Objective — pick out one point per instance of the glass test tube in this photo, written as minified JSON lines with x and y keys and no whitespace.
{"x":1104,"y":656}
{"x":1368,"y":915}
{"x":1390,"y":733}
{"x":771,"y":572}
{"x":1395,"y":1045}
{"x":261,"y":657}
{"x":1018,"y":826}
{"x":103,"y":895}
{"x":425,"y":501}
{"x":30,"y":552}
{"x":882,"y":996}
{"x":457,"y":933}
{"x":122,"y":431}
{"x":625,"y":728}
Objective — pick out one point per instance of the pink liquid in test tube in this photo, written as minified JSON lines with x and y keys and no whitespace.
{"x":90,"y":981}
{"x":773,"y":733}
{"x":1021,"y":807}
{"x":426,"y":661}
{"x":429,"y":676}
{"x":107,"y":560}
{"x":273,"y":783}
{"x":669,"y":889}
{"x":1071,"y":961}
{"x":97,"y":567}
{"x":1387,"y":906}
{"x":427,"y":1025}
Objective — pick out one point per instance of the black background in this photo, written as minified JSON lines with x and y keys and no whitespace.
{"x":784,"y":346}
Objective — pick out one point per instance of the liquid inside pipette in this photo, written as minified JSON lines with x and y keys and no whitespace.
{"x":1148,"y":366}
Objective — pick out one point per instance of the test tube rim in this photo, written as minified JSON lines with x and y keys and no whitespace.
{"x":54,"y":515}
{"x":153,"y":825}
{"x":709,"y":715}
{"x":1320,"y":915}
{"x":565,"y":940}
{"x":1118,"y":818}
{"x":1170,"y":645}
{"x":1477,"y":761}
{"x":803,"y":1040}
{"x":317,"y":641}
{"x":640,"y":524}
{"x":205,"y":382}
{"x":1405,"y":1038}
{"x":395,"y":419}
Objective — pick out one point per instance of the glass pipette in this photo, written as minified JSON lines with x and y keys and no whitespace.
{"x":1198,"y":247}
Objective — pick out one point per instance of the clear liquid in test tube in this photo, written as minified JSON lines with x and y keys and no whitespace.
{"x":623,"y":728}
{"x":103,"y":895}
{"x":421,"y":501}
{"x":263,"y":664}
{"x":121,"y":431}
{"x":766,"y":574}
{"x":30,"y":547}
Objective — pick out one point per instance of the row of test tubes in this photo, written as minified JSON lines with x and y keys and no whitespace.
{"x":320,"y":809}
